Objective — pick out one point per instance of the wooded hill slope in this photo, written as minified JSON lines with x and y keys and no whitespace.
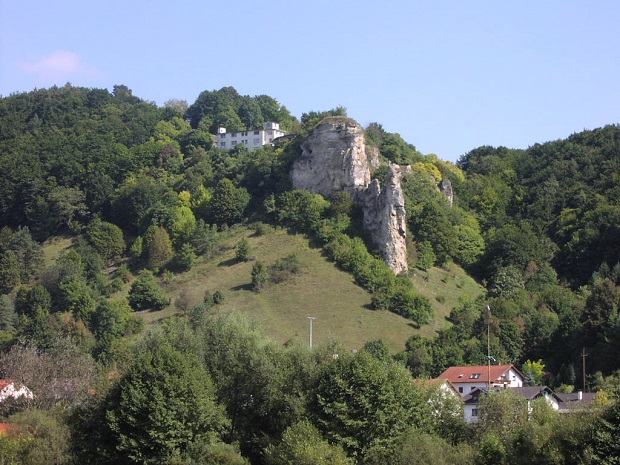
{"x":141,"y":186}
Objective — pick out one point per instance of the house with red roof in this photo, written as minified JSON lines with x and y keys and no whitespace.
{"x":468,"y":379}
{"x":12,"y":389}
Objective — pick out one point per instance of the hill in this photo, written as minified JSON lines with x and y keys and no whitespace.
{"x":342,"y":309}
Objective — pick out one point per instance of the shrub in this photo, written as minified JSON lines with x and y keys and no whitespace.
{"x":243,"y":250}
{"x":284,"y":269}
{"x":260,"y":276}
{"x":146,"y":293}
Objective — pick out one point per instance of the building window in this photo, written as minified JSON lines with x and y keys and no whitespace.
{"x":244,"y":133}
{"x":474,"y":412}
{"x":461,"y":389}
{"x":233,"y":143}
{"x":223,"y":144}
{"x":472,"y":388}
{"x":222,"y":135}
{"x":256,"y":133}
{"x":475,"y":375}
{"x":234,"y":134}
{"x":256,"y":141}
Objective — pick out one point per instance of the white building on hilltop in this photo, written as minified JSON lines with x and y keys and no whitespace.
{"x":250,"y":139}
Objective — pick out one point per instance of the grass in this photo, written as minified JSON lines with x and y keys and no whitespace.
{"x":341,"y":308}
{"x":445,"y":288}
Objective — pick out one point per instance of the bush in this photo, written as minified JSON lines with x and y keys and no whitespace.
{"x":146,"y":293}
{"x":260,"y":276}
{"x":243,"y":250}
{"x":284,"y":269}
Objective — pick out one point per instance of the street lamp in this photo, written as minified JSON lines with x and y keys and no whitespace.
{"x":311,"y":318}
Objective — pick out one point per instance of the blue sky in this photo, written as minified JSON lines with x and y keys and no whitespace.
{"x":448,"y":76}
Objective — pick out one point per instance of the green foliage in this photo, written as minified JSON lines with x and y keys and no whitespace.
{"x":533,"y":372}
{"x":260,"y":276}
{"x":218,"y":453}
{"x":226,"y":108}
{"x":160,"y":250}
{"x":185,"y":258}
{"x":351,"y":387}
{"x":300,"y":209}
{"x":284,"y":269}
{"x":145,"y":293}
{"x":228,"y":203}
{"x":205,"y":238}
{"x":391,"y":145}
{"x":106,"y":238}
{"x":10,"y":275}
{"x":416,"y":446}
{"x":8,"y":316}
{"x":41,"y":438}
{"x":378,"y":349}
{"x":164,"y":403}
{"x":302,"y":444}
{"x":243,"y":250}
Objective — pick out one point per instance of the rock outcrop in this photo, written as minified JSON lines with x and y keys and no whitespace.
{"x":335,"y":158}
{"x":385,"y":219}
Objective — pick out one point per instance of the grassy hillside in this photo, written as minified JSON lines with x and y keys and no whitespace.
{"x":341,"y":308}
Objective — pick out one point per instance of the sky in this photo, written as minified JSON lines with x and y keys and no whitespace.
{"x":447,"y":75}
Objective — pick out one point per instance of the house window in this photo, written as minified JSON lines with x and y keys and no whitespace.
{"x":475,"y":375}
{"x":244,"y":133}
{"x":472,"y":388}
{"x":474,"y":412}
{"x":223,"y":144}
{"x":461,"y":389}
{"x":233,"y":143}
{"x":234,"y":134}
{"x":256,"y":133}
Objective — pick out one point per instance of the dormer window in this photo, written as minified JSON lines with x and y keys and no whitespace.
{"x":475,"y":376}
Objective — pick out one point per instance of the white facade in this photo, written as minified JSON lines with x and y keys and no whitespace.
{"x":250,"y":139}
{"x":12,"y":389}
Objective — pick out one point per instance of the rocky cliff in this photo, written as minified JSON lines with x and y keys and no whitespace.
{"x":385,"y":219}
{"x":335,"y":158}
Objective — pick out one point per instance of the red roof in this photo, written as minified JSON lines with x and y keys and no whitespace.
{"x":5,"y":382}
{"x":478,"y":374}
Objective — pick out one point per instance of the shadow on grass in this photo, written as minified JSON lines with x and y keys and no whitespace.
{"x":242,"y":287}
{"x":231,"y":262}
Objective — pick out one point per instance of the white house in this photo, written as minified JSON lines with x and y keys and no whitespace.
{"x":468,"y":379}
{"x":250,"y":139}
{"x":12,"y":389}
{"x":471,"y":402}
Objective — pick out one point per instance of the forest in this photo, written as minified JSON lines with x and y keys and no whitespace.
{"x":143,"y":195}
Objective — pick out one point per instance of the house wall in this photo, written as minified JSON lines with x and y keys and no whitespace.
{"x":252,"y":139}
{"x":13,"y":391}
{"x":469,"y":411}
{"x":513,"y":379}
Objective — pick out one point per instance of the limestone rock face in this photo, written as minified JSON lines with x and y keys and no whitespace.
{"x":446,"y":188}
{"x":333,"y":159}
{"x":385,"y":219}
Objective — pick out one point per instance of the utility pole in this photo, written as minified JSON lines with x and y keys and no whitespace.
{"x":489,"y":348}
{"x":583,"y":367}
{"x":311,"y":318}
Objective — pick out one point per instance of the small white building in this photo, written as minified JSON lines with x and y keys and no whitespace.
{"x":471,"y":402}
{"x":12,"y":389}
{"x":249,"y":139}
{"x":468,"y":379}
